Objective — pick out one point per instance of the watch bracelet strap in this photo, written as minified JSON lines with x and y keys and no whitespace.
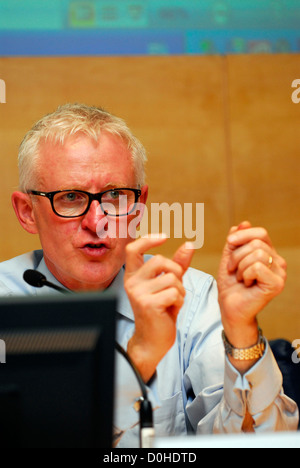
{"x":245,"y":354}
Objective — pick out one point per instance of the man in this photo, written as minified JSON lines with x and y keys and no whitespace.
{"x":168,"y":315}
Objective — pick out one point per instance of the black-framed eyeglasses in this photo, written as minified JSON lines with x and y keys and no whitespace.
{"x":75,"y":203}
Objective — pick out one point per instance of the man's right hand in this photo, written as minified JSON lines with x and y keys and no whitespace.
{"x":156,"y":294}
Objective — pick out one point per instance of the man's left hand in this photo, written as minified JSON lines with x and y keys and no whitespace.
{"x":251,"y":273}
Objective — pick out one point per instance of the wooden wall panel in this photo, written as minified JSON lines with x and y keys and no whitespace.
{"x":265,"y":160}
{"x":265,"y":150}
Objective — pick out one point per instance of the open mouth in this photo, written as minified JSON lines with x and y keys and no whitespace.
{"x":95,"y":249}
{"x":95,"y":246}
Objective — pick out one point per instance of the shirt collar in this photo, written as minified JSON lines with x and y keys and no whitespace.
{"x":123,"y":304}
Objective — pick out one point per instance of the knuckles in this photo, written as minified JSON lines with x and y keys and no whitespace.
{"x":280,"y":284}
{"x":130,"y":284}
{"x":260,"y":255}
{"x":257,"y":244}
{"x":130,"y":248}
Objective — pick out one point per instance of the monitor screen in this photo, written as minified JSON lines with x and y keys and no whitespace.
{"x":57,"y":370}
{"x":148,"y":27}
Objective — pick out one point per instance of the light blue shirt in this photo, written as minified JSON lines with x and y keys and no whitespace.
{"x":195,"y":388}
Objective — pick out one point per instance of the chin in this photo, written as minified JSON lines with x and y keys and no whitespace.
{"x":96,"y":280}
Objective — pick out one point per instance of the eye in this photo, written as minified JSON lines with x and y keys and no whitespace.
{"x":70,"y":197}
{"x":114,"y":194}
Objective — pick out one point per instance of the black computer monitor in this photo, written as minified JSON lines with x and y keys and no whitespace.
{"x":57,"y":381}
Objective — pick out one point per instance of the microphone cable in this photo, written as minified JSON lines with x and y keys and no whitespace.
{"x":146,"y":414}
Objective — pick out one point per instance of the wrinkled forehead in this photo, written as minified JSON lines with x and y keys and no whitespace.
{"x":83,"y":161}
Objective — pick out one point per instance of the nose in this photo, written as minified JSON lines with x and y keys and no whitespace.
{"x":92,"y":217}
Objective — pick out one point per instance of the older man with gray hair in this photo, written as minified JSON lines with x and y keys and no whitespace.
{"x":194,"y":340}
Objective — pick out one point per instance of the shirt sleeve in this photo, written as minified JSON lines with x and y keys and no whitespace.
{"x":4,"y":290}
{"x":259,"y":391}
{"x":218,"y":396}
{"x":221,"y":408}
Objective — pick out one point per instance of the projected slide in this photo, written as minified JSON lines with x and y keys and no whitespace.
{"x":141,"y":27}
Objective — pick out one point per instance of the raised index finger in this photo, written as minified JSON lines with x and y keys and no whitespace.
{"x":135,"y":250}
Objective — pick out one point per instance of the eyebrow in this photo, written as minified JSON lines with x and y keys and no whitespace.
{"x":110,"y":185}
{"x":107,"y":186}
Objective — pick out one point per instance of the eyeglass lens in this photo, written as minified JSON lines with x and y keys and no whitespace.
{"x":75,"y":203}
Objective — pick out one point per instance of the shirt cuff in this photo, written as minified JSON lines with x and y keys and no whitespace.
{"x":257,"y":389}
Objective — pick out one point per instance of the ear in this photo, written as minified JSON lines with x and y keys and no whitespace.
{"x":23,"y":208}
{"x":144,"y":194}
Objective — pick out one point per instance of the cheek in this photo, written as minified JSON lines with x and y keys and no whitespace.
{"x":119,"y":244}
{"x":55,"y":231}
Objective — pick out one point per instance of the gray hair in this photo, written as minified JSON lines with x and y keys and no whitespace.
{"x":66,"y":121}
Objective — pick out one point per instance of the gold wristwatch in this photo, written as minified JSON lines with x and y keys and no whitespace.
{"x":246,"y":354}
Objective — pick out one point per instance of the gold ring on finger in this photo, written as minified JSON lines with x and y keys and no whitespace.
{"x":270,"y":263}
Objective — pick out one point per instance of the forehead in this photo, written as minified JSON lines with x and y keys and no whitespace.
{"x":82,"y":162}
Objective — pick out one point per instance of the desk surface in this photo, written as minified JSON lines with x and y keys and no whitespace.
{"x":270,"y":440}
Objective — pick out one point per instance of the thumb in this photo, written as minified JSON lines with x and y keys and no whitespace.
{"x":229,"y":248}
{"x":183,"y":256}
{"x":227,"y":251}
{"x":135,"y":250}
{"x":244,"y":225}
